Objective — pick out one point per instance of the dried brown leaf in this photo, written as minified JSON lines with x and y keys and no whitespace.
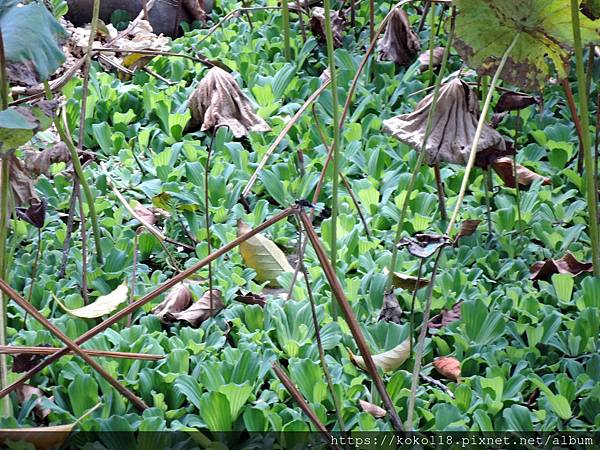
{"x":543,"y":270}
{"x":514,"y":101}
{"x":145,"y":213}
{"x":438,"y":54}
{"x":317,"y":25}
{"x":446,"y":317}
{"x":199,"y":311}
{"x":42,"y":438}
{"x":454,"y":123}
{"x":399,"y":42}
{"x":376,"y":411}
{"x":448,"y":367}
{"x":424,"y":245}
{"x":391,"y":310}
{"x":467,"y":228}
{"x":525,"y":177}
{"x":25,"y":392}
{"x":250,"y":298}
{"x":177,"y":299}
{"x":35,"y":214}
{"x":194,"y":7}
{"x":218,"y":101}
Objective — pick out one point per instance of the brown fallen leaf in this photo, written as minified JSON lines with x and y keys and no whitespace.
{"x":448,"y":367}
{"x":446,"y":317}
{"x":387,"y":361}
{"x":250,"y":298}
{"x":199,"y":311}
{"x":219,"y":102}
{"x":317,"y":25}
{"x":485,"y":158}
{"x":399,"y":42}
{"x":145,"y":214}
{"x":514,"y":101}
{"x":454,"y":123}
{"x":467,"y":228}
{"x":26,"y":392}
{"x":42,"y":438}
{"x":424,"y":245}
{"x":376,"y":411}
{"x":391,"y":310}
{"x":543,"y":270}
{"x":525,"y":177}
{"x":438,"y":54}
{"x":177,"y":299}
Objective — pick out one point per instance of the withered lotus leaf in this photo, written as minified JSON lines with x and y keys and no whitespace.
{"x":424,"y":245}
{"x":317,"y":25}
{"x":391,"y":310}
{"x":219,"y":102}
{"x":425,"y":57}
{"x":525,"y":177}
{"x":454,"y":123}
{"x":399,"y":42}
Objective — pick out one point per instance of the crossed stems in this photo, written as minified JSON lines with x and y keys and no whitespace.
{"x":74,"y":346}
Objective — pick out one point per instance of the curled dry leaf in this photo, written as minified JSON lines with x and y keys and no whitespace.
{"x":35,"y":214}
{"x":103,"y":305}
{"x":145,"y":214}
{"x":514,"y":101}
{"x":250,"y":298}
{"x":317,"y":25}
{"x":399,"y":42}
{"x":591,"y":9}
{"x":425,"y":57}
{"x":485,"y":158}
{"x":26,"y":392}
{"x":199,"y":311}
{"x":23,"y":172}
{"x":262,"y":255}
{"x":454,"y":123}
{"x":446,"y":317}
{"x":543,"y":270}
{"x":178,"y":299}
{"x":467,"y":228}
{"x":391,"y":310}
{"x":25,"y":361}
{"x":387,"y":361}
{"x":219,"y":102}
{"x":424,"y":245}
{"x":376,"y":411}
{"x":448,"y":367}
{"x":525,"y":177}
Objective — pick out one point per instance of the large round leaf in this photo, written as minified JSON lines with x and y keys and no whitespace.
{"x":30,"y":36}
{"x":485,"y":29}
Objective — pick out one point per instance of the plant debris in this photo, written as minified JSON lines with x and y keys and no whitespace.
{"x":453,"y":126}
{"x":399,"y":42}
{"x":219,"y":102}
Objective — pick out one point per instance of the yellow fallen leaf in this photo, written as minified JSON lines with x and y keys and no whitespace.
{"x":387,"y":361}
{"x":104,"y":304}
{"x":262,"y":255}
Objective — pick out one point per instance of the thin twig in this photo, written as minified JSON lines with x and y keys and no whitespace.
{"x":297,"y":396}
{"x":437,"y":384}
{"x":70,"y":218}
{"x":84,"y":269}
{"x":19,"y":350}
{"x":575,"y":117}
{"x":351,"y":321}
{"x":133,"y":272}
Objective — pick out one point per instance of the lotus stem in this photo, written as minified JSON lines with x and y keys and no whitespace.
{"x":480,"y":125}
{"x":6,"y":406}
{"x":517,"y":191}
{"x":585,"y":142}
{"x":335,"y":144}
{"x":421,"y":156}
{"x":285,"y":15}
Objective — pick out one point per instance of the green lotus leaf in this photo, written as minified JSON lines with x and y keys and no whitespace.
{"x":30,"y":36}
{"x":485,"y":29}
{"x":18,"y":124}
